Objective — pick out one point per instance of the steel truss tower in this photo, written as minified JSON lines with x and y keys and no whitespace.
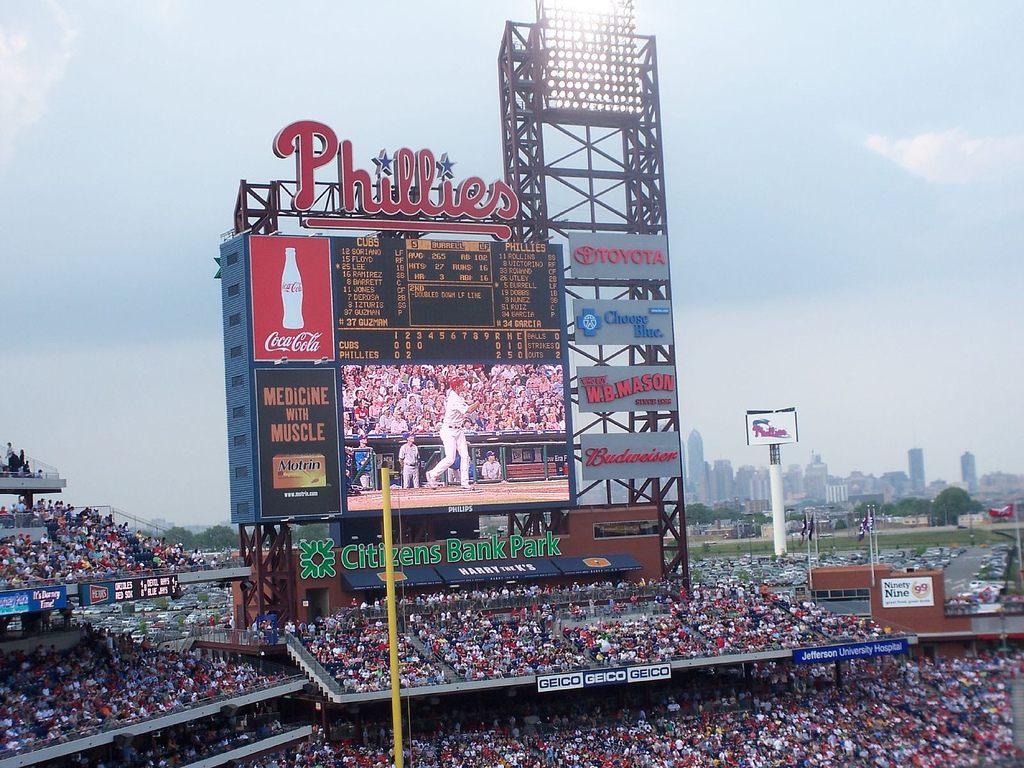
{"x":581,"y":139}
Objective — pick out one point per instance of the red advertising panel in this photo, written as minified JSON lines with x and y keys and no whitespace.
{"x":292,"y":305}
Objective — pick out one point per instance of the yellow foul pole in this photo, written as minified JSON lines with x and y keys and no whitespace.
{"x":389,"y":572}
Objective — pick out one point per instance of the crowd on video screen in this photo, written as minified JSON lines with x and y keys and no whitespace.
{"x":404,"y":399}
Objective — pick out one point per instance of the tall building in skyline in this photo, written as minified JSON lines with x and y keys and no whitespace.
{"x":743,"y":482}
{"x":815,"y":478}
{"x":696,"y":472}
{"x":915,"y":458}
{"x":969,"y":472}
{"x":793,"y":482}
{"x":722,"y":485}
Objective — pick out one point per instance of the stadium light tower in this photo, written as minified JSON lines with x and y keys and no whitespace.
{"x":590,"y":57}
{"x":581,"y":138}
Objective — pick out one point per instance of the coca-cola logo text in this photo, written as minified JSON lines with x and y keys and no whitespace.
{"x":291,"y":287}
{"x":412,"y":184}
{"x":300,"y":342}
{"x":588,"y":254}
{"x":596,"y":457}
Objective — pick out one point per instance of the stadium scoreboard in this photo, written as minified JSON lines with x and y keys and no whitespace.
{"x":418,"y":300}
{"x":323,"y":336}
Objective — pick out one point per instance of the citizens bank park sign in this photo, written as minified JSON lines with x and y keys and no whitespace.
{"x":637,"y":388}
{"x":409,"y":188}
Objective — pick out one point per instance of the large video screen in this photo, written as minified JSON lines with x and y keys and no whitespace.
{"x":505,"y":422}
{"x":449,"y":363}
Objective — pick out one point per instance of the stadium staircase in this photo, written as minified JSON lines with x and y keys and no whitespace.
{"x":325,"y":682}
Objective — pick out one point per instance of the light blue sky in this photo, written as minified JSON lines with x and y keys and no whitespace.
{"x":846,"y":189}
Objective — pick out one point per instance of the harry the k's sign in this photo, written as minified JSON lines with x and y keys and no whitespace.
{"x":618,"y":257}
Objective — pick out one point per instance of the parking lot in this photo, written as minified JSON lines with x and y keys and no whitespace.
{"x":966,"y":570}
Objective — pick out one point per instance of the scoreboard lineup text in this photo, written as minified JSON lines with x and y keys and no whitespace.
{"x":413,"y":300}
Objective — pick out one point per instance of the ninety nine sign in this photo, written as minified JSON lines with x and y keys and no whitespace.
{"x":638,"y":388}
{"x":909,"y":592}
{"x":622,"y":456}
{"x":414,"y":190}
{"x":618,"y":257}
{"x":850,"y":651}
{"x":595,"y":678}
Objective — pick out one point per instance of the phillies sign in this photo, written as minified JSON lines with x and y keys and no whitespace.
{"x":414,"y":190}
{"x":771,"y":427}
{"x":618,"y":257}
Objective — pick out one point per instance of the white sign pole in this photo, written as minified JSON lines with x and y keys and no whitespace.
{"x":778,"y":506}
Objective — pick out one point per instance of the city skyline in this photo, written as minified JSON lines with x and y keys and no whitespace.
{"x":749,"y":480}
{"x":844,"y":195}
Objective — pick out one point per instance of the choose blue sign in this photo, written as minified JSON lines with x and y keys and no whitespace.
{"x":33,"y":600}
{"x":850,"y":651}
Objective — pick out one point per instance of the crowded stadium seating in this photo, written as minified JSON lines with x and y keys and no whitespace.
{"x":82,"y":544}
{"x":519,"y":631}
{"x":887,"y":713}
{"x":103,"y":681}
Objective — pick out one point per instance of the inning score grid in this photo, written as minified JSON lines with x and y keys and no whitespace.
{"x":413,"y":300}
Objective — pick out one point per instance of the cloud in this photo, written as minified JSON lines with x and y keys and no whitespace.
{"x":953,"y":157}
{"x":33,"y":57}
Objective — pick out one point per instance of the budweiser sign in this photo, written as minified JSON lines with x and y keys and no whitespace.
{"x":414,"y":190}
{"x":598,"y":457}
{"x":624,"y":456}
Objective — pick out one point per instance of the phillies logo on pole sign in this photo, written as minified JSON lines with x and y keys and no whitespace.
{"x":292,"y":301}
{"x":409,"y":188}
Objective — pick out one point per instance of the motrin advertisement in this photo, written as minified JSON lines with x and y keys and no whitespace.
{"x":292,"y":304}
{"x":627,"y":455}
{"x":771,"y":427}
{"x":297,"y":412}
{"x":600,"y":321}
{"x":618,"y":257}
{"x":638,"y":388}
{"x":910,"y":592}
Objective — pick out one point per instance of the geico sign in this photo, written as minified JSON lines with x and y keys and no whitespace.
{"x":604,"y":677}
{"x":560,"y":682}
{"x":594,"y":678}
{"x":655,"y":672}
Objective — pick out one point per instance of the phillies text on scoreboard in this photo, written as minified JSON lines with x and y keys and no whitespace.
{"x":409,"y":300}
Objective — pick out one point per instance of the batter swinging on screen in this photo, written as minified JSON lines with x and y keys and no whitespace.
{"x":453,"y":435}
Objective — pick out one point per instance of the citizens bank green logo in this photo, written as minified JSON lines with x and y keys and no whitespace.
{"x":316,"y":559}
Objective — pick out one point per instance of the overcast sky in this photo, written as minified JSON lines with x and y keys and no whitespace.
{"x":846,"y":189}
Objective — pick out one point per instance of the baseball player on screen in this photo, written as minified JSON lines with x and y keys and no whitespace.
{"x":453,"y":435}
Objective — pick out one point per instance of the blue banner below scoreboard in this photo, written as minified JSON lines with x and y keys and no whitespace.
{"x":33,"y":600}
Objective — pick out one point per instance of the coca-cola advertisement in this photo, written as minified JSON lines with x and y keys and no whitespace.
{"x":292,"y":307}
